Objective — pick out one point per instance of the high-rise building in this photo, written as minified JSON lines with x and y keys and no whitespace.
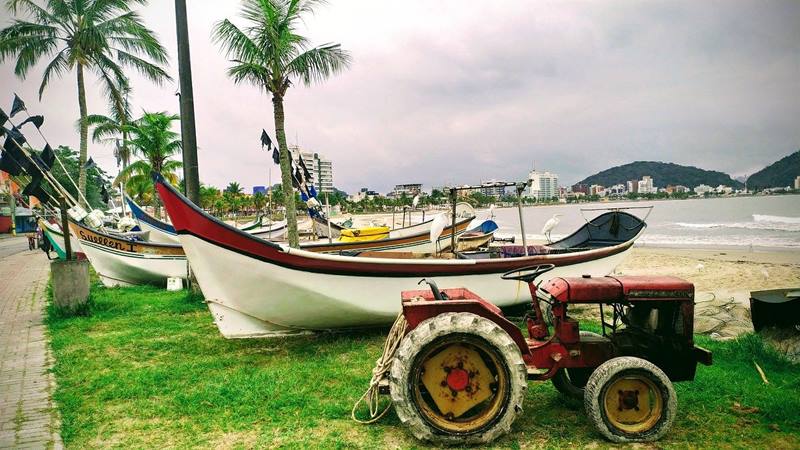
{"x":646,"y":185}
{"x":320,"y":168}
{"x":544,"y":185}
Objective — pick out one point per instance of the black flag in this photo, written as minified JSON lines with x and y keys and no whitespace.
{"x":14,"y":161}
{"x":306,"y":173}
{"x":104,"y":194}
{"x":293,"y":173}
{"x":276,"y":155}
{"x":36,"y":120}
{"x":89,"y":164}
{"x":35,"y":189}
{"x":48,"y":157}
{"x":265,"y":140}
{"x":3,"y":118}
{"x":18,"y":105}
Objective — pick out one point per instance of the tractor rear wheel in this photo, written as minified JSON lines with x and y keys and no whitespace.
{"x":629,"y":399}
{"x":458,"y":378}
{"x":572,"y":381}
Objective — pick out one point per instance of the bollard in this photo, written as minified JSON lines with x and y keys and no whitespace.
{"x":70,"y":286}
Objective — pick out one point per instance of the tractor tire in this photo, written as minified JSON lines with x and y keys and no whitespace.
{"x":439,"y":337}
{"x":613,"y":400}
{"x":571,"y":382}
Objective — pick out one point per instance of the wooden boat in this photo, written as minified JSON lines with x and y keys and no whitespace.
{"x":124,"y":262}
{"x":258,"y":288}
{"x":406,"y":240}
{"x":478,"y":237}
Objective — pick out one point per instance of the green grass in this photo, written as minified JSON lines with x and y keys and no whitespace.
{"x":148,"y":368}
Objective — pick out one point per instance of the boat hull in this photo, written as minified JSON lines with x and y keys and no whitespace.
{"x":270,"y":300}
{"x":126,"y":263}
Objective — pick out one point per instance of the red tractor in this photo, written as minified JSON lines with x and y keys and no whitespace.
{"x":460,"y":373}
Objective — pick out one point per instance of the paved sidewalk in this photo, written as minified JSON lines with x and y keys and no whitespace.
{"x":28,"y":418}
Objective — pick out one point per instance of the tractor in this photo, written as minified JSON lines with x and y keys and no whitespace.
{"x":459,"y":372}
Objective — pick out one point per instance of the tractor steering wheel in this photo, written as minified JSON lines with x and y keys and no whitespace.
{"x":528,"y":274}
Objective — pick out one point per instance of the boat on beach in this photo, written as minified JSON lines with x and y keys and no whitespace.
{"x":256,"y":288}
{"x":127,"y":262}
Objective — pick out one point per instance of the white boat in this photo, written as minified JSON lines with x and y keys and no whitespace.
{"x":124,"y":262}
{"x":256,"y":288}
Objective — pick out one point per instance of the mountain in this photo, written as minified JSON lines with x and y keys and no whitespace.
{"x":779,"y":174}
{"x":663,"y":175}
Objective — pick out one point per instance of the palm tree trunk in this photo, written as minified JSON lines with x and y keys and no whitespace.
{"x":84,"y":137}
{"x":286,"y":176}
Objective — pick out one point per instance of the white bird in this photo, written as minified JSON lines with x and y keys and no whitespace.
{"x":437,"y":227}
{"x":491,"y":211}
{"x":415,"y":202}
{"x":549,"y":225}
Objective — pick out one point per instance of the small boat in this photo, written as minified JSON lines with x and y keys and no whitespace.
{"x":126,"y":262}
{"x":477,"y":237}
{"x":275,"y":231}
{"x":416,"y":239}
{"x":53,"y":234}
{"x":256,"y":288}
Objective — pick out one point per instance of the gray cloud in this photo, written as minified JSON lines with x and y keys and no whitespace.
{"x":444,"y":92}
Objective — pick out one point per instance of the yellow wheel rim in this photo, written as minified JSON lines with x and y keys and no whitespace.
{"x":460,"y":387}
{"x":633,"y":404}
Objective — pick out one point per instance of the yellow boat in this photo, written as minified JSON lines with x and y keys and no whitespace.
{"x":364,"y":234}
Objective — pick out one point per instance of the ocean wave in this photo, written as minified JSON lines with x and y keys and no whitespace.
{"x":775,"y":219}
{"x":757,"y":225}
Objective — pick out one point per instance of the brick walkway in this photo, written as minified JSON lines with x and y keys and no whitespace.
{"x":28,"y":418}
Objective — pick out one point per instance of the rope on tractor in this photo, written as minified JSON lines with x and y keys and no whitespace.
{"x":382,"y":366}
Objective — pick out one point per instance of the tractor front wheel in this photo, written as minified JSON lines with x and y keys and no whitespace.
{"x":458,"y":378}
{"x":572,"y":381}
{"x":630,"y":400}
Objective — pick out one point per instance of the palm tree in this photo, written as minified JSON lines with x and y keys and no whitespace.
{"x":101,"y":36}
{"x":208,"y":196}
{"x":152,"y":138}
{"x":234,"y":188}
{"x":112,"y":128}
{"x":269,"y":54}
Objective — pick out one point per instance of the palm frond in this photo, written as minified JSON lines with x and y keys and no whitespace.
{"x":56,"y":67}
{"x":318,"y":64}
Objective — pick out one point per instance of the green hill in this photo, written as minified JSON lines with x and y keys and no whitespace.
{"x":779,"y":174}
{"x":663,"y":174}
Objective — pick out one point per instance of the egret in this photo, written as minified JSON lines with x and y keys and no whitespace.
{"x":549,"y":225}
{"x":437,"y":227}
{"x":415,"y":202}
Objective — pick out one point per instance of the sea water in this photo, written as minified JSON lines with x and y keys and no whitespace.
{"x":759,"y":222}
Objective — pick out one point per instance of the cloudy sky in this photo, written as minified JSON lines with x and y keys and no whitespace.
{"x":462,"y":91}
